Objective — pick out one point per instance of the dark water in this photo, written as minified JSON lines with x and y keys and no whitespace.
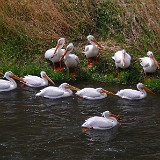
{"x":38,"y":128}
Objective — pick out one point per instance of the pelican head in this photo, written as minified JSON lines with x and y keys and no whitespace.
{"x":60,"y":44}
{"x":91,"y":39}
{"x":44,"y":75}
{"x":68,"y":49}
{"x":9,"y":74}
{"x":150,"y":54}
{"x":68,"y":86}
{"x":108,"y":114}
{"x":141,"y":86}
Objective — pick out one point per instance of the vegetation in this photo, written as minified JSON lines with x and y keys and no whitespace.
{"x":29,"y":28}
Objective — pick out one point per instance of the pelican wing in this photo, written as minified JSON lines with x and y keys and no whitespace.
{"x":49,"y":53}
{"x":99,"y":123}
{"x":129,"y":94}
{"x":88,"y":92}
{"x":51,"y":92}
{"x":144,"y":62}
{"x":33,"y":80}
{"x":4,"y":84}
{"x":117,"y":57}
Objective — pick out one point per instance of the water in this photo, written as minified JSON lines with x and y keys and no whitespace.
{"x":38,"y":128}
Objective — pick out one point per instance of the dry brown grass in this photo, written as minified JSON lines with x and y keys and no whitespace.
{"x":46,"y":19}
{"x":51,"y":19}
{"x":141,"y":17}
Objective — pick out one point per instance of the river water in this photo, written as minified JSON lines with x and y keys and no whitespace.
{"x":39,"y":128}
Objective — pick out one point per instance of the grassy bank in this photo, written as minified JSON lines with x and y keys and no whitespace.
{"x":29,"y":28}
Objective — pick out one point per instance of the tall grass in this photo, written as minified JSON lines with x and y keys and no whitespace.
{"x":28,"y":28}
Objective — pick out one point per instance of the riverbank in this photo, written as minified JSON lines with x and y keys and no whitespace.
{"x":28,"y":30}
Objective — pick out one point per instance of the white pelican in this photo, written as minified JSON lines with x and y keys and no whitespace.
{"x":64,"y":90}
{"x":134,"y":94}
{"x":149,"y":63}
{"x":54,"y":54}
{"x":92,"y":51}
{"x":10,"y":84}
{"x":122,"y":59}
{"x":93,"y":93}
{"x":107,"y":121}
{"x":35,"y":81}
{"x":71,"y":60}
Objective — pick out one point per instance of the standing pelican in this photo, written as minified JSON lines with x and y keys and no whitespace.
{"x":134,"y":94}
{"x":64,"y":90}
{"x":122,"y":59}
{"x":71,"y":60}
{"x":149,"y":63}
{"x":54,"y":54}
{"x":35,"y":81}
{"x":92,"y":51}
{"x":107,"y":121}
{"x":93,"y":93}
{"x":10,"y":84}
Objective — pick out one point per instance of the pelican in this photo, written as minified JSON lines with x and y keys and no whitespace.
{"x":122,"y":59}
{"x":71,"y":60}
{"x":92,"y":51}
{"x":64,"y":90}
{"x":149,"y":63}
{"x":134,"y":94}
{"x":93,"y":93}
{"x":106,"y":121}
{"x":54,"y":54}
{"x":10,"y":84}
{"x":35,"y":81}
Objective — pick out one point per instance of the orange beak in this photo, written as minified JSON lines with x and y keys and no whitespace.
{"x":107,"y":92}
{"x":63,"y":54}
{"x":17,"y":78}
{"x":94,"y":40}
{"x":56,"y":48}
{"x":116,"y":116}
{"x":72,"y":87}
{"x":155,"y":61}
{"x":148,"y":90}
{"x":45,"y":76}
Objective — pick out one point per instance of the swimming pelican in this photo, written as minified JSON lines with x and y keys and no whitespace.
{"x":149,"y":63}
{"x":92,"y":51}
{"x":71,"y":60}
{"x":10,"y":84}
{"x":35,"y":81}
{"x":122,"y":59}
{"x":64,"y":90}
{"x":54,"y":54}
{"x":107,"y":121}
{"x":93,"y":93}
{"x":134,"y":94}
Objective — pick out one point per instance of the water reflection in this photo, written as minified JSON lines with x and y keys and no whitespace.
{"x":101,"y":135}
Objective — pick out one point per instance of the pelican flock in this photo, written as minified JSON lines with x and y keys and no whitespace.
{"x":56,"y":55}
{"x":104,"y":122}
{"x":35,"y":81}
